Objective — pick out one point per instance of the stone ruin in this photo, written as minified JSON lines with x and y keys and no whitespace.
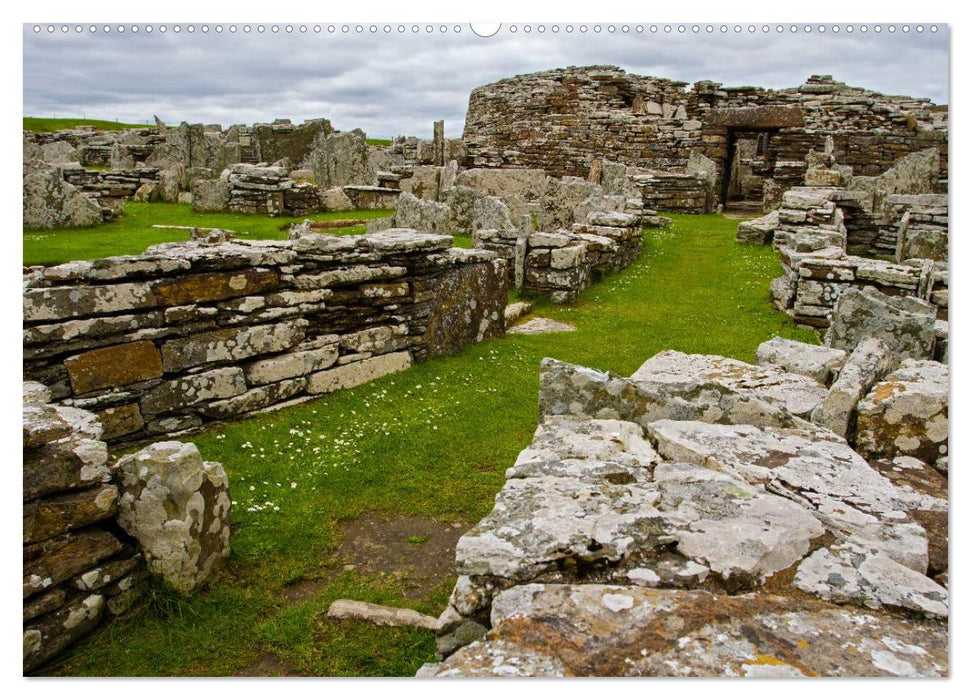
{"x":188,"y":333}
{"x":775,"y":505}
{"x":561,"y":120}
{"x":887,"y":233}
{"x":558,"y":234}
{"x":95,"y":531}
{"x":700,"y":518}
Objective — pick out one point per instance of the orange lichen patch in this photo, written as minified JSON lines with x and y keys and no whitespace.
{"x":802,"y":644}
{"x":768,"y":660}
{"x":885,"y":390}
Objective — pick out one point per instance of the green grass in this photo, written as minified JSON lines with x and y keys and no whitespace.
{"x":379,"y":142}
{"x":46,"y":125}
{"x":433,"y":441}
{"x":132,"y":233}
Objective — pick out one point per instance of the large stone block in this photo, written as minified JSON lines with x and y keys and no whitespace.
{"x":51,"y":202}
{"x":46,"y":637}
{"x":815,"y":361}
{"x":53,"y":516}
{"x":294,"y":364}
{"x":906,"y":414}
{"x":545,"y":629}
{"x":50,"y":562}
{"x":231,"y":344}
{"x":905,"y":323}
{"x":210,"y":195}
{"x":114,"y":366}
{"x":193,"y":389}
{"x":467,"y":305}
{"x":869,"y":361}
{"x":64,"y":459}
{"x":177,"y":507}
{"x":356,"y":373}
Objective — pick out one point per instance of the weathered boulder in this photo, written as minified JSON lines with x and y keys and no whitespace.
{"x":491,"y":213}
{"x":341,"y":158}
{"x":602,"y":630}
{"x":562,"y":198}
{"x":572,"y":390}
{"x":814,"y":468}
{"x":177,"y":507}
{"x":421,"y":214}
{"x":495,"y":182}
{"x":334,"y":199}
{"x":869,"y":361}
{"x":906,"y":414}
{"x":906,"y":323}
{"x":796,"y":393}
{"x":575,"y":500}
{"x":815,"y":361}
{"x":854,"y":573}
{"x":49,"y":201}
{"x":758,"y":231}
{"x":210,"y":195}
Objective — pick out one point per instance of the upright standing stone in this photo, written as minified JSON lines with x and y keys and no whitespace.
{"x":438,"y":144}
{"x":177,"y":507}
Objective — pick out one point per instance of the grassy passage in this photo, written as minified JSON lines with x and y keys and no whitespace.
{"x":46,"y":124}
{"x":132,"y":233}
{"x":433,"y":441}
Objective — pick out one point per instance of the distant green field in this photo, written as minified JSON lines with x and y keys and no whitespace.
{"x":132,"y":233}
{"x":45,"y":125}
{"x":379,"y":142}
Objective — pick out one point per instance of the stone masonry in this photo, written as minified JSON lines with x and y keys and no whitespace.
{"x":562,"y":120}
{"x":188,"y":333}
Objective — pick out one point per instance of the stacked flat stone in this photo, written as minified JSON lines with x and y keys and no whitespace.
{"x":563,"y":263}
{"x":561,"y":119}
{"x":677,"y":192}
{"x":75,"y":570}
{"x":811,"y":237}
{"x":258,"y":189}
{"x":192,"y":332}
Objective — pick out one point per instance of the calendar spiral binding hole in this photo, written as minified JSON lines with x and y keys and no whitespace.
{"x":525,"y":29}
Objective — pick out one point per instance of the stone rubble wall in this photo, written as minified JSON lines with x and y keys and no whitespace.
{"x":78,"y":569}
{"x":561,"y":120}
{"x":812,"y":237}
{"x":109,"y":187}
{"x":268,"y":189}
{"x":689,"y":514}
{"x":564,"y":263}
{"x":190,"y":333}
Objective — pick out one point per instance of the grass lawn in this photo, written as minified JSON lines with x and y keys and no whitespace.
{"x":379,"y":142}
{"x":132,"y":233}
{"x":46,"y":125}
{"x":434,"y":442}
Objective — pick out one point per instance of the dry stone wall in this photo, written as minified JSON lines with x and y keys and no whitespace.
{"x":562,"y":120}
{"x":189,"y":333}
{"x":812,"y":238}
{"x":78,"y":569}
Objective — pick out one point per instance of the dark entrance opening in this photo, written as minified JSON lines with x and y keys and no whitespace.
{"x":750,"y":161}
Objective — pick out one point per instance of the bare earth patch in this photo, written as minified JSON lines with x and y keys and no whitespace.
{"x":417,"y":552}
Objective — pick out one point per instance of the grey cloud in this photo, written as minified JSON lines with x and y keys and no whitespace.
{"x":398,"y":84}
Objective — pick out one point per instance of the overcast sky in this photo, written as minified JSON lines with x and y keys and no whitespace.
{"x":399,"y":83}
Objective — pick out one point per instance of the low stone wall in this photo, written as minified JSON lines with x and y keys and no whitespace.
{"x":564,"y":263}
{"x":195,"y":332}
{"x":812,"y":238}
{"x":688,"y":193}
{"x":77,"y":568}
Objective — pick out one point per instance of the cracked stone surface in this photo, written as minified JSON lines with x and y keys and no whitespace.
{"x":599,"y":630}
